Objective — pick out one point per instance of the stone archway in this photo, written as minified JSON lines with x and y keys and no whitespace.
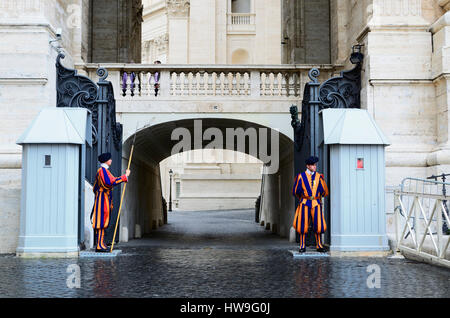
{"x":143,"y":201}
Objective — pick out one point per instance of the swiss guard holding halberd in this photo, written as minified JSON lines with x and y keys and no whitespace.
{"x":310,"y":188}
{"x":101,"y":211}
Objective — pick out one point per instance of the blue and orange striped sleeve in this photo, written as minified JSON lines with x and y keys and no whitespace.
{"x":298,"y":188}
{"x":325,"y":192}
{"x":120,"y":179}
{"x":110,"y":180}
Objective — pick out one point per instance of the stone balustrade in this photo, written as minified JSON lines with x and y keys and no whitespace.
{"x":241,"y":18}
{"x":133,"y":81}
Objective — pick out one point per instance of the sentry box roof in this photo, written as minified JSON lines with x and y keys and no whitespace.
{"x":351,"y":127}
{"x":59,"y":126}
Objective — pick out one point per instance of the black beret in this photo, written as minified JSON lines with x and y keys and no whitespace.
{"x":104,"y":157}
{"x":312,"y":160}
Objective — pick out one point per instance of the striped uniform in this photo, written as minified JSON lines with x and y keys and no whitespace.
{"x":309,"y":189}
{"x":104,"y":182}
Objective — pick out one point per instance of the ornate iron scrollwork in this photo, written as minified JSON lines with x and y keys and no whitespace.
{"x":342,"y":91}
{"x":74,"y":90}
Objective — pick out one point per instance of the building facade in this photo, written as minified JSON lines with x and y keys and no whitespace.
{"x":212,"y":32}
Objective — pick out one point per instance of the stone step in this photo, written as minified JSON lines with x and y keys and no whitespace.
{"x":93,"y":254}
{"x":308,"y":254}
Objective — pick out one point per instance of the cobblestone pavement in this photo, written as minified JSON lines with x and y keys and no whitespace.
{"x":218,"y":254}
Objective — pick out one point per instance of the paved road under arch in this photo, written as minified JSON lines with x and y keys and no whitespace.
{"x":218,"y":254}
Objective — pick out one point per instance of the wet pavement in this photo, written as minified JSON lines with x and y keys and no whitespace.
{"x":218,"y":254}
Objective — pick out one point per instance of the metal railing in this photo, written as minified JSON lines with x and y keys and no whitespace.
{"x":420,"y":212}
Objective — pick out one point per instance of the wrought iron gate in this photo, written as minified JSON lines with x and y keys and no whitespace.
{"x":338,"y":92}
{"x":75,"y":90}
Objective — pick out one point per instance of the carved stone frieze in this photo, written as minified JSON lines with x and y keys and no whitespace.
{"x":178,"y":8}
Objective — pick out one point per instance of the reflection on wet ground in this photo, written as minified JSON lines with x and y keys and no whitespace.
{"x":218,"y":254}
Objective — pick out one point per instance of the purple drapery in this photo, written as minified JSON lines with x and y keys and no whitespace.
{"x":132,"y":77}
{"x":124,"y":82}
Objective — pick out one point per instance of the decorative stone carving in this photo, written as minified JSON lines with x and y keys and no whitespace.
{"x":161,"y":42}
{"x":20,"y":5}
{"x":156,"y":47}
{"x":397,"y":7}
{"x":398,"y":13}
{"x":178,"y":8}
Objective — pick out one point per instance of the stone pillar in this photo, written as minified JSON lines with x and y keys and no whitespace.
{"x":439,"y":158}
{"x":221,"y":32}
{"x":396,"y":85}
{"x":79,"y":22}
{"x":202,"y":32}
{"x":338,"y":29}
{"x":27,"y":85}
{"x":178,"y":29}
{"x":268,"y":32}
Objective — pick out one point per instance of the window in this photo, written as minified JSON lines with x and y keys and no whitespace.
{"x":240,"y":6}
{"x":47,"y":161}
{"x":178,"y":189}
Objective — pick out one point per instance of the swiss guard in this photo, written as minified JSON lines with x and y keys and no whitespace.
{"x":103,"y":205}
{"x":310,"y":188}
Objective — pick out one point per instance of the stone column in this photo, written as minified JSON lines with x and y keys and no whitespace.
{"x":397,"y":87}
{"x":440,"y":156}
{"x":27,"y":85}
{"x":202,"y":32}
{"x":178,"y":28}
{"x":221,"y":32}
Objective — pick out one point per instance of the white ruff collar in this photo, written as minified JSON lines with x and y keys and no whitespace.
{"x":104,"y":165}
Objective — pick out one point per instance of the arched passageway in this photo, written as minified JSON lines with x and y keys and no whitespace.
{"x":211,"y":180}
{"x":143,"y":208}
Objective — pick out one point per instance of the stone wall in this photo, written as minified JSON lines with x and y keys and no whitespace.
{"x":277,"y":206}
{"x":306,"y":31}
{"x":405,"y":79}
{"x":116,"y":31}
{"x":398,"y":87}
{"x":142,"y":207}
{"x":27,"y":85}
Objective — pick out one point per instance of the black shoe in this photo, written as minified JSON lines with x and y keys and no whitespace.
{"x":302,"y":250}
{"x":322,"y":250}
{"x":102,"y":251}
